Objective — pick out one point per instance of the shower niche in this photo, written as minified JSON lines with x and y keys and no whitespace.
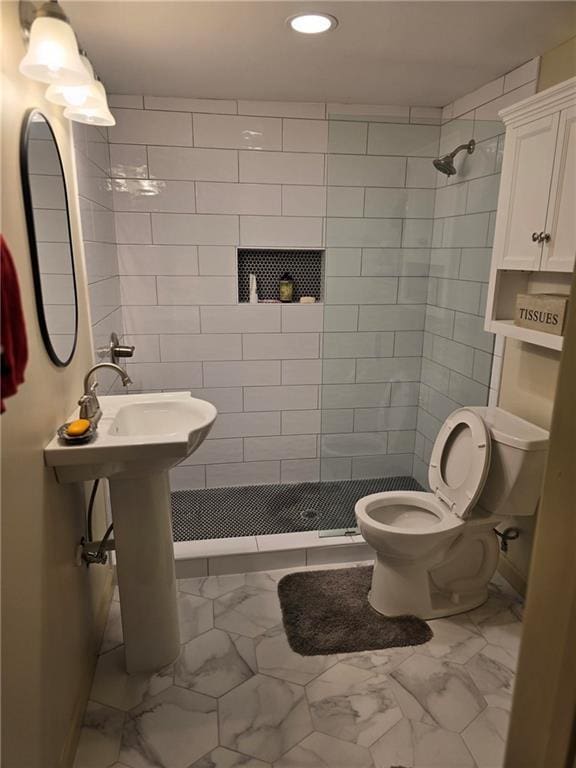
{"x":306,"y":267}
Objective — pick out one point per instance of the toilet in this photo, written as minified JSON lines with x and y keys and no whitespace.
{"x":436,"y":552}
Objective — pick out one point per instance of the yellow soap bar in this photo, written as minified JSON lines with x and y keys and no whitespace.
{"x":78,"y":427}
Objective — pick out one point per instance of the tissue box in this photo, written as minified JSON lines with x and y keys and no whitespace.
{"x":541,"y":312}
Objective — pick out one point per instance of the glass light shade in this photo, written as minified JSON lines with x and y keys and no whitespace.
{"x":52,"y":55}
{"x":85,"y":96}
{"x":99,"y":115}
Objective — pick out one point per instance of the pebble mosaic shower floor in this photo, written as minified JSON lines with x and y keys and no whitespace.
{"x":257,"y":510}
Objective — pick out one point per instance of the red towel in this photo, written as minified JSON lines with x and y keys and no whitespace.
{"x":13,"y":331}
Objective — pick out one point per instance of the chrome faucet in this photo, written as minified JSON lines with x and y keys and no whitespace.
{"x":89,"y":405}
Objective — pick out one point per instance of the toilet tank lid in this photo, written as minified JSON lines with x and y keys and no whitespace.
{"x":511,"y":430}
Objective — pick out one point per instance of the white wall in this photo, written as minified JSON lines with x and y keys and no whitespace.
{"x":52,"y":611}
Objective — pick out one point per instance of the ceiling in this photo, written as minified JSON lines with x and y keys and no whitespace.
{"x":422,"y":53}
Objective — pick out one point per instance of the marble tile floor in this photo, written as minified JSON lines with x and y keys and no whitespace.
{"x":238,"y":697}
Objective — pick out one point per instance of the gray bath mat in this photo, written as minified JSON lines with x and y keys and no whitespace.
{"x":327,"y":612}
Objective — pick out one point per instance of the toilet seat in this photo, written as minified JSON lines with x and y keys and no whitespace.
{"x":458,"y":469}
{"x":460,"y":461}
{"x":407,"y":513}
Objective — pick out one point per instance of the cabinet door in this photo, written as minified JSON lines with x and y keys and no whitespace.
{"x":526,"y":177}
{"x":559,"y":252}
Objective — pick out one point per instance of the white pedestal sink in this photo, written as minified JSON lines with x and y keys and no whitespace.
{"x":139,"y":438}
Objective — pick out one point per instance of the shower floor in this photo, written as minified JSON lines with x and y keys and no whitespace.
{"x":257,"y":510}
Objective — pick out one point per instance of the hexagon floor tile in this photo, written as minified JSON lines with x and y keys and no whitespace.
{"x":248,"y":611}
{"x":211,"y":664}
{"x":352,"y":704}
{"x":277,"y":659}
{"x":420,"y":745}
{"x":321,"y":751}
{"x":264,"y":717}
{"x":225,"y":758}
{"x":239,"y":697}
{"x":172,"y":730}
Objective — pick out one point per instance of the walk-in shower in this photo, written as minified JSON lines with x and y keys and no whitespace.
{"x":321,"y":403}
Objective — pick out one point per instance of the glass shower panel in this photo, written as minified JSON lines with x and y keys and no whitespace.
{"x":380,"y":220}
{"x":458,"y":355}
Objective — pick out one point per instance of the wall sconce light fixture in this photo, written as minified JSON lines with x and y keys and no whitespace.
{"x":52,"y":55}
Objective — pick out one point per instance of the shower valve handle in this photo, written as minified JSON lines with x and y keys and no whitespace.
{"x":536,"y":237}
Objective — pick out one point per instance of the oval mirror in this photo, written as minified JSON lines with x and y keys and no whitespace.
{"x":47,"y":220}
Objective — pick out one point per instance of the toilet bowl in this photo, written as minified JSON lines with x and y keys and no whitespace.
{"x":436,"y":552}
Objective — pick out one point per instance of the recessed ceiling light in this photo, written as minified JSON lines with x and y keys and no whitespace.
{"x":312,"y":23}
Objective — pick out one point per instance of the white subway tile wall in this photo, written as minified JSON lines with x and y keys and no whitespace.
{"x":461,"y":363}
{"x":380,"y":212}
{"x":332,"y":391}
{"x":195,"y":178}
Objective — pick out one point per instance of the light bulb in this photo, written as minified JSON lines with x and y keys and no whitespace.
{"x":51,"y":54}
{"x":76,"y":95}
{"x":99,"y":114}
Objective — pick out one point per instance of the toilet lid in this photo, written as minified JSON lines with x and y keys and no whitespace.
{"x":460,"y":461}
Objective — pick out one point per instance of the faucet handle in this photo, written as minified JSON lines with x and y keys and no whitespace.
{"x":86,"y":404}
{"x":118,"y":350}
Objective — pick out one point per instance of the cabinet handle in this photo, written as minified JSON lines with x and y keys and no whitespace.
{"x":536,"y":236}
{"x":545,"y":237}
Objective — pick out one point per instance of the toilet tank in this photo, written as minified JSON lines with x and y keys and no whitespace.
{"x":517,"y":462}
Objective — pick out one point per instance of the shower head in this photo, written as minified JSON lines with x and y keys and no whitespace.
{"x":446,"y":164}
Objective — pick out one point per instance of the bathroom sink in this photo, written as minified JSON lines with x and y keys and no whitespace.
{"x":136,"y":434}
{"x":163,"y":419}
{"x":139,"y":438}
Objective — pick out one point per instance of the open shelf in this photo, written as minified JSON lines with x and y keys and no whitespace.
{"x":505,"y":285}
{"x":507,"y":328}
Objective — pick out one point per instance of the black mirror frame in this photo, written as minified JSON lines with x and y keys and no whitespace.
{"x":29,"y":212}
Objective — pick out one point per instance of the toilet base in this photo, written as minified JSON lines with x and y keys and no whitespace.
{"x":442,"y":606}
{"x":452,"y":578}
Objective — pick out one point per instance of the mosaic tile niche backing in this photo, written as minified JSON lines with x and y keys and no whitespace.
{"x":305,"y":268}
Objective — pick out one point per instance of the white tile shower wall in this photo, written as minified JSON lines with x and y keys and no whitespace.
{"x":97,"y":203}
{"x":460,"y":362}
{"x":406,"y":270}
{"x":194,"y":179}
{"x":380,"y":217}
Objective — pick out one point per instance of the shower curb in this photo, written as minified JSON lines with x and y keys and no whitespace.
{"x":216,"y":557}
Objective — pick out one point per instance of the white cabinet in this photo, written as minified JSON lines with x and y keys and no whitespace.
{"x":535,"y":236}
{"x":558,"y":252}
{"x":524,"y":192}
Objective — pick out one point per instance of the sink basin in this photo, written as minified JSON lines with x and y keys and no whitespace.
{"x":137,"y":434}
{"x":139,"y":438}
{"x":166,"y":418}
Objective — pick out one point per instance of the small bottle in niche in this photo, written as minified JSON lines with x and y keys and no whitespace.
{"x":286,"y":288}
